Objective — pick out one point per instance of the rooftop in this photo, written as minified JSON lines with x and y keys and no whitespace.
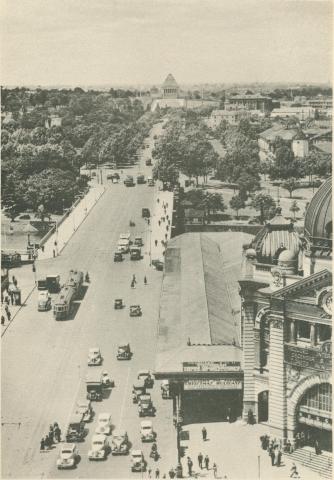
{"x":195,"y":305}
{"x":279,"y":131}
{"x":170,"y":82}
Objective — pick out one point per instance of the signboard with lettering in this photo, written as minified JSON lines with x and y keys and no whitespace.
{"x":317,"y":359}
{"x":213,"y":384}
{"x":211,"y":367}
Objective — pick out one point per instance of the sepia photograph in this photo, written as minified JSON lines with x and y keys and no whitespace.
{"x":166,"y":239}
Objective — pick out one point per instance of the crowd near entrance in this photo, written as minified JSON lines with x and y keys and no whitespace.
{"x":211,"y":406}
{"x":314,"y":418}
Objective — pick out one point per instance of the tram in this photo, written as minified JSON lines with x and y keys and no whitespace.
{"x":64,"y":302}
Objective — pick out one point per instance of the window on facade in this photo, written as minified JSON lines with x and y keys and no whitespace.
{"x":304,"y":329}
{"x":325,"y":332}
{"x":319,"y":397}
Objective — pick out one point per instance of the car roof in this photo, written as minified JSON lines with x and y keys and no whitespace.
{"x":146,"y":423}
{"x":134,"y":306}
{"x":68,"y":446}
{"x":140,"y":383}
{"x":123,"y":345}
{"x":146,"y":396}
{"x":98,"y":437}
{"x":143,"y":372}
{"x":104,"y":415}
{"x":136,"y":452}
{"x":119,"y":432}
{"x":75,"y":418}
{"x":94,"y":349}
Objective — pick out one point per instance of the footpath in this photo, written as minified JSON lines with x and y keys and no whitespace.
{"x":236,"y":450}
{"x":25,"y":276}
{"x":161,"y":224}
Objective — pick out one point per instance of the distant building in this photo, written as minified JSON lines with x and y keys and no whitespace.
{"x":170,"y":88}
{"x":53,"y":121}
{"x":293,"y":136}
{"x":302,"y":113}
{"x":194,"y":216}
{"x":232,"y":117}
{"x":252,"y":102}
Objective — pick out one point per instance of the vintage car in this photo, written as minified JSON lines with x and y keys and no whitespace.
{"x":150,"y":182}
{"x":99,"y":447}
{"x":107,"y":381}
{"x":145,"y":213}
{"x":158,"y":264}
{"x":104,"y":424}
{"x":137,"y":461}
{"x":145,"y":405}
{"x":94,"y":357}
{"x":125,"y":236}
{"x":76,"y":428}
{"x":68,"y":456}
{"x":148,"y":162}
{"x":118,"y":303}
{"x":165,"y":389}
{"x":138,"y":389}
{"x":84,"y":408}
{"x":44,"y":301}
{"x":123,"y":245}
{"x":94,"y":385}
{"x":119,"y":442}
{"x":140,"y":179}
{"x":118,"y":257}
{"x":135,"y":311}
{"x":146,"y":431}
{"x":147,"y":377}
{"x":124,"y":352}
{"x":138,"y":241}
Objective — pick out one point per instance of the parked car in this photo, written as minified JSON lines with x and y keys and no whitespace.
{"x":158,"y":264}
{"x":146,"y":431}
{"x":145,"y":405}
{"x":165,"y":389}
{"x":137,"y":461}
{"x":94,"y":357}
{"x":44,"y":301}
{"x":145,"y":213}
{"x":99,"y":447}
{"x":84,"y":408}
{"x":147,"y":377}
{"x":135,"y":311}
{"x":124,"y":352}
{"x":138,"y":389}
{"x":118,"y":304}
{"x":104,"y":424}
{"x":68,"y":456}
{"x":118,"y":257}
{"x":119,"y":442}
{"x":94,"y":385}
{"x":76,"y":428}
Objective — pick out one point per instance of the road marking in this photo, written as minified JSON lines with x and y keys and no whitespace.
{"x":124,"y":397}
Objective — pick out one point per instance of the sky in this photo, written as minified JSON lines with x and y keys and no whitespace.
{"x":122,"y":42}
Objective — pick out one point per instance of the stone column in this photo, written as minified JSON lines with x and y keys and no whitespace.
{"x":257,"y":348}
{"x":313,"y":334}
{"x":293,"y":333}
{"x":249,"y":402}
{"x":277,"y":381}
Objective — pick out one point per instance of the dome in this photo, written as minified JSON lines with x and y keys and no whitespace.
{"x":318,"y":218}
{"x":287,"y":256}
{"x":275,"y":237}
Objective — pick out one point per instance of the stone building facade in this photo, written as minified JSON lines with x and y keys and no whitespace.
{"x":286,"y":292}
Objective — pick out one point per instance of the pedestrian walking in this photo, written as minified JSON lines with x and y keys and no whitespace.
{"x":293,"y":471}
{"x":168,"y":222}
{"x":7,"y":299}
{"x":15,"y":282}
{"x":149,"y":473}
{"x":145,"y":280}
{"x":204,"y":434}
{"x":279,"y":458}
{"x":171,"y":473}
{"x":11,"y":295}
{"x":57,"y":434}
{"x":134,"y":280}
{"x":167,"y":228}
{"x":42,"y":447}
{"x":156,"y":242}
{"x":8,"y":315}
{"x":272,"y":456}
{"x":200,"y":460}
{"x":157,"y":473}
{"x":2,"y":320}
{"x":159,"y":222}
{"x":206,"y":462}
{"x":158,"y":200}
{"x":6,"y":309}
{"x":190,"y":466}
{"x":166,"y":236}
{"x":214,"y":468}
{"x":13,"y":279}
{"x":54,"y":253}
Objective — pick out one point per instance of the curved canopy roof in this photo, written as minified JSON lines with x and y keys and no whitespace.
{"x":318,"y":218}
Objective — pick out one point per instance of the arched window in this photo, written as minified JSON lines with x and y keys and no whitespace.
{"x":319,"y":397}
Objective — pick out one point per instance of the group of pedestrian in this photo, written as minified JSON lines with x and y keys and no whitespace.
{"x":134,"y":281}
{"x":275,"y":453}
{"x":52,"y":437}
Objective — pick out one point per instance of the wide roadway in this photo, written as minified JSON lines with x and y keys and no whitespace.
{"x":44,"y":362}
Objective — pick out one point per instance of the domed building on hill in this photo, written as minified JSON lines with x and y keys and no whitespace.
{"x":286,"y":319}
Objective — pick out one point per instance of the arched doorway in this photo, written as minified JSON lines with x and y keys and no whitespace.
{"x":314,"y":417}
{"x":263,"y":401}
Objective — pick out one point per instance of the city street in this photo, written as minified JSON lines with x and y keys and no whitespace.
{"x":44,"y":362}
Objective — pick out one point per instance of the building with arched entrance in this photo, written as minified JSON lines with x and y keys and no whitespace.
{"x":286,"y":292}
